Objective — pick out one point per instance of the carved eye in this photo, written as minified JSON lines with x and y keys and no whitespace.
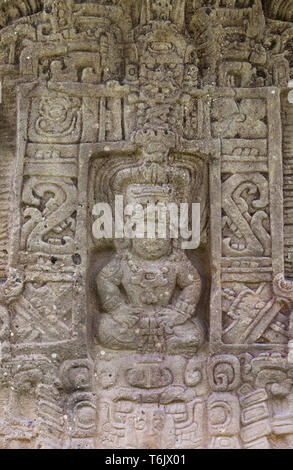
{"x":149,"y":276}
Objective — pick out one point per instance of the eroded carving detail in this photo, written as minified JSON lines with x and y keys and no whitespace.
{"x":136,"y":343}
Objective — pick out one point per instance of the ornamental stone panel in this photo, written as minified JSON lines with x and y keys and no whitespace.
{"x":112,"y":337}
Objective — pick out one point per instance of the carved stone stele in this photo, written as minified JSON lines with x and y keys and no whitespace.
{"x":146,"y":342}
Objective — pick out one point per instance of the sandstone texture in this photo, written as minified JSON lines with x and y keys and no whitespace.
{"x":140,"y":343}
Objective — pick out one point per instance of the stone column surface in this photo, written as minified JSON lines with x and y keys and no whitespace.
{"x":146,"y":224}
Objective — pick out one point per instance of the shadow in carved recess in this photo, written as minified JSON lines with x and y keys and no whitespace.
{"x":147,"y":295}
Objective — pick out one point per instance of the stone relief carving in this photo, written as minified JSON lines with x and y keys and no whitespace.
{"x":131,"y":342}
{"x":150,"y":322}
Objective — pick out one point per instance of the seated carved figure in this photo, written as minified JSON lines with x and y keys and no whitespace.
{"x":149,"y":296}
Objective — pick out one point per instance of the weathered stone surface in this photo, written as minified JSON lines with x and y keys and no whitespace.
{"x":138,"y":343}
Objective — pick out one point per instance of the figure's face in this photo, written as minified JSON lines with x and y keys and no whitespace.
{"x":151,"y":249}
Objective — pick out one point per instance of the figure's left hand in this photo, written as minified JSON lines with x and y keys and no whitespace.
{"x":170,"y":317}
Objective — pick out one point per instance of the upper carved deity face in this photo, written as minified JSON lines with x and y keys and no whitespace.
{"x":161,"y":75}
{"x":151,"y":249}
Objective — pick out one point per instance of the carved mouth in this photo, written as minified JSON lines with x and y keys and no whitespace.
{"x":164,"y":89}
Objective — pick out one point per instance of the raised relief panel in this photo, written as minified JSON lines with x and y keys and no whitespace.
{"x":251,"y":233}
{"x":55,"y":119}
{"x":146,"y":224}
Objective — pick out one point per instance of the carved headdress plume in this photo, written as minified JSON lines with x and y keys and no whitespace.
{"x":154,"y":177}
{"x":163,"y":10}
{"x":157,"y":165}
{"x":156,"y":143}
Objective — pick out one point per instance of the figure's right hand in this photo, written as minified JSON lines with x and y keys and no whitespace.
{"x":126,"y":315}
